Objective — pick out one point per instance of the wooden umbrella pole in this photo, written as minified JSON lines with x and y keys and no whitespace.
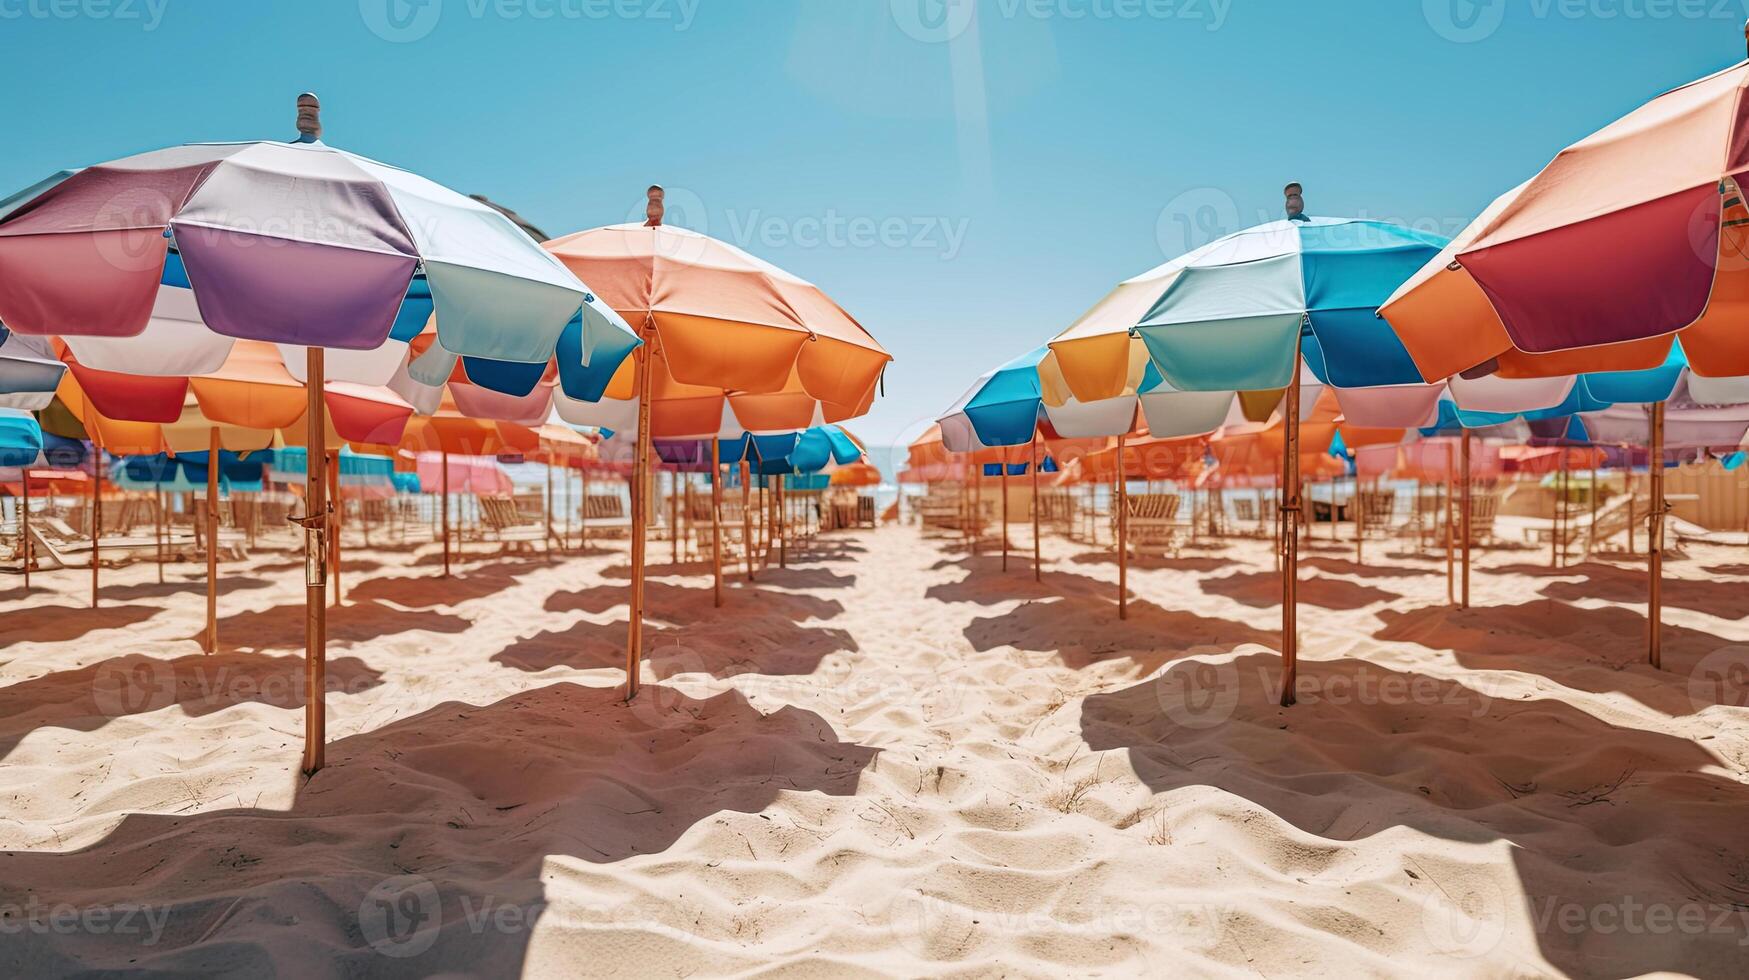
{"x":747,"y":514}
{"x":674,"y":517}
{"x":1037,"y":559}
{"x":96,"y":517}
{"x":1123,"y":535}
{"x":1450,"y":495}
{"x":977,"y":504}
{"x":315,"y":524}
{"x":716,"y":524}
{"x":782,"y":527}
{"x":212,"y":541}
{"x":552,"y":535}
{"x":1291,"y":510}
{"x":583,"y":510}
{"x":443,"y":458}
{"x":1655,"y":543}
{"x":640,"y":515}
{"x":1592,"y":537}
{"x":24,"y":533}
{"x":1005,"y":515}
{"x":1359,"y":523}
{"x":339,"y":508}
{"x":1464,"y":527}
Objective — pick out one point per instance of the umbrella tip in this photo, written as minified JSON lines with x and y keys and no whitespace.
{"x":654,"y":207}
{"x":1296,"y":201}
{"x":309,"y":117}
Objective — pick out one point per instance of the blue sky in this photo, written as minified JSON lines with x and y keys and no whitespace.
{"x":965,"y":176}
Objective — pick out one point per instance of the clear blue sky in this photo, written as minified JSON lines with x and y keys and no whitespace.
{"x":965,"y":187}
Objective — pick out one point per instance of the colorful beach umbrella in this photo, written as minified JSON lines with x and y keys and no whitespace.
{"x":723,"y":332}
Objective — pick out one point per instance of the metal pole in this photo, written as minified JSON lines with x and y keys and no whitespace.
{"x":640,"y":513}
{"x":716,"y":524}
{"x":315,"y":568}
{"x":1123,"y":535}
{"x":212,"y":541}
{"x":1037,"y":559}
{"x":1655,"y":543}
{"x":444,"y":483}
{"x":1468,"y":534}
{"x":1291,"y":510}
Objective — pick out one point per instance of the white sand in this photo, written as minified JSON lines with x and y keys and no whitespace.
{"x":885,"y":760}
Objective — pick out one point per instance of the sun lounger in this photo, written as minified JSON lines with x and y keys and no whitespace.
{"x":505,"y":523}
{"x":1153,"y":521}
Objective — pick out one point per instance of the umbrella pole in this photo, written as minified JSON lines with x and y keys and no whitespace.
{"x":1005,"y":516}
{"x":716,"y":524}
{"x":24,"y":533}
{"x":1037,"y":561}
{"x":674,"y":517}
{"x":315,"y":568}
{"x":1655,"y":543}
{"x":747,"y":515}
{"x":1450,"y":538}
{"x":640,"y":518}
{"x":1123,"y":536}
{"x":444,"y":514}
{"x":583,"y":510}
{"x":1592,"y":537}
{"x":212,"y":541}
{"x":782,"y":526}
{"x":550,"y":532}
{"x":1291,"y":509}
{"x":1359,"y":523}
{"x":339,"y":504}
{"x":1464,"y":525}
{"x":96,"y":516}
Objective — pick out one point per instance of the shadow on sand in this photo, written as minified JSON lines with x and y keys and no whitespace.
{"x":1615,"y":820}
{"x":458,"y":809}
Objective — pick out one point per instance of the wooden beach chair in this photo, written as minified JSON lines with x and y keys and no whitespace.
{"x":605,"y":513}
{"x":504,"y":522}
{"x":1153,"y":521}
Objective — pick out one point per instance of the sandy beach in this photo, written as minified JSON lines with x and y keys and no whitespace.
{"x":953,"y":770}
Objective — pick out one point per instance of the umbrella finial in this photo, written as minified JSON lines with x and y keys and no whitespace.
{"x":654,"y":208}
{"x":1746,"y":34}
{"x":309,"y":118}
{"x":1296,"y":201}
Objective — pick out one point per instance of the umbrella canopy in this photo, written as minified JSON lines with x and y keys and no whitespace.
{"x":1629,"y":235}
{"x":1229,"y":316}
{"x":29,"y":372}
{"x":21,"y":438}
{"x":725,"y":321}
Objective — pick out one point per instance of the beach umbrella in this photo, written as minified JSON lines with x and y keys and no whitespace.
{"x":719,"y":327}
{"x":253,"y":225}
{"x":1241,"y":314}
{"x":21,"y":444}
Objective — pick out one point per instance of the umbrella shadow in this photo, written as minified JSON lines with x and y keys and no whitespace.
{"x":282,"y":627}
{"x":678,"y":605}
{"x":1341,"y":566}
{"x":1595,"y":815}
{"x":183,"y":586}
{"x":1729,"y":600}
{"x":415,"y":827}
{"x":1599,"y":650}
{"x":60,"y":624}
{"x":986,"y":584}
{"x":90,"y":697}
{"x":1262,"y":590}
{"x":422,"y":592}
{"x":1082,"y":632}
{"x":769,"y":648}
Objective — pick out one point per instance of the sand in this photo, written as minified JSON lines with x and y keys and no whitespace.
{"x":886,"y":759}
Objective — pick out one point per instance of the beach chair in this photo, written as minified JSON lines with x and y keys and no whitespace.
{"x":504,"y":522}
{"x":605,"y":513}
{"x":1153,"y":521}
